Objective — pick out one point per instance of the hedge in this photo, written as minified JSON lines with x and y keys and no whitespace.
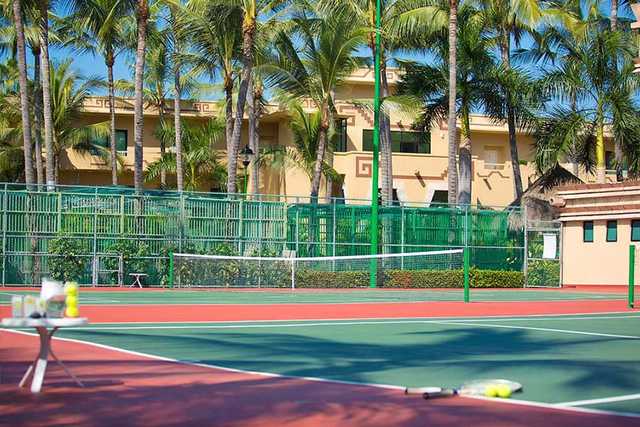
{"x":410,"y":279}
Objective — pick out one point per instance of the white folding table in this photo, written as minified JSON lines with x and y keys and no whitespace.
{"x":46,"y":328}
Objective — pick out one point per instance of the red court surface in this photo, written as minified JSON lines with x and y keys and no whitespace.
{"x":126,"y":389}
{"x":240,"y":312}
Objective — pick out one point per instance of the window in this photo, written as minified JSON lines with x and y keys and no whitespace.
{"x":609,"y":160}
{"x":121,"y":142}
{"x":635,"y":230}
{"x":587,"y":231}
{"x":493,"y":157}
{"x":401,"y":141}
{"x":612,"y":231}
{"x":341,"y":136}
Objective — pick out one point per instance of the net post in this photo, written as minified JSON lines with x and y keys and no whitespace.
{"x":293,"y":273}
{"x":465,"y":256}
{"x":632,"y":274}
{"x":171,"y":269}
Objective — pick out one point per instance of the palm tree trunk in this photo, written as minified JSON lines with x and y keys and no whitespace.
{"x":600,"y":153}
{"x":177,"y":123}
{"x":254,"y":139}
{"x":613,"y":16}
{"x":46,"y":92}
{"x":618,"y":145}
{"x":511,"y":122}
{"x":163,"y":147}
{"x":464,"y":187}
{"x":228,"y":96}
{"x":37,"y":116}
{"x":24,"y":100}
{"x":251,"y":125}
{"x":112,"y":120}
{"x":452,"y":170}
{"x":322,"y":146}
{"x":142,"y":18}
{"x":387,"y":146}
{"x":248,"y":33}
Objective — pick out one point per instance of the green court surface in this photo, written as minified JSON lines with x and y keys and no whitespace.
{"x":558,"y":359}
{"x":320,"y":296}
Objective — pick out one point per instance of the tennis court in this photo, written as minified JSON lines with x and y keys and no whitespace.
{"x":238,"y":347}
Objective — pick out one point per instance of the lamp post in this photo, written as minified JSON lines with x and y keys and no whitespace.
{"x":247,"y":154}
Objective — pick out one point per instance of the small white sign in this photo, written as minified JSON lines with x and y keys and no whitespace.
{"x":550,"y":246}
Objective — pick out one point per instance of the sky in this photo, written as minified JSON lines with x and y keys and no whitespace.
{"x":93,"y":66}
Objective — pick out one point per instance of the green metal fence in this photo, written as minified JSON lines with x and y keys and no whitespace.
{"x":104,"y":224}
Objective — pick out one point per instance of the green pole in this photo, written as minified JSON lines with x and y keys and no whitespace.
{"x":465,"y":254}
{"x":373,"y":266}
{"x":632,"y":274}
{"x":171,"y":269}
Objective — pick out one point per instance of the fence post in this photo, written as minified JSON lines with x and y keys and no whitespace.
{"x":240,"y":225}
{"x":333,"y":250}
{"x":465,"y":256}
{"x":525,"y":261}
{"x":4,"y":234}
{"x":120,"y":270}
{"x":171,"y":266}
{"x":297,"y":230}
{"x":632,"y":275}
{"x":95,"y":236}
{"x":182,"y":220}
{"x":402,"y":236}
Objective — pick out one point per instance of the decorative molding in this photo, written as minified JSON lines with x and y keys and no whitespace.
{"x":364,"y":169}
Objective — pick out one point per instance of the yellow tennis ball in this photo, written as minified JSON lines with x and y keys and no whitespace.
{"x":72,"y":312}
{"x":491,"y":391}
{"x":72,"y":301}
{"x":504,"y":391}
{"x":71,"y":289}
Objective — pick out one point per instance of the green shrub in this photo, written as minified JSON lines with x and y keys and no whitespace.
{"x":331,"y":279}
{"x":411,"y":279}
{"x":132,"y":253}
{"x":542,"y":272}
{"x":66,"y":265}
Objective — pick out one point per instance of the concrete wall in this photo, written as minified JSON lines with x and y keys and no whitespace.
{"x":598,"y":262}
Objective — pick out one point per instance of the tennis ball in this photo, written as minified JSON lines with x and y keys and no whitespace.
{"x":504,"y":391}
{"x":71,"y":289}
{"x":72,"y":301}
{"x":491,"y":391}
{"x":72,"y":312}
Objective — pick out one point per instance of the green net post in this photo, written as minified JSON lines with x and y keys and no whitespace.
{"x":632,"y":274}
{"x":465,"y":255}
{"x":171,"y":269}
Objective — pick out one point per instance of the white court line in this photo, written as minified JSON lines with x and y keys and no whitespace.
{"x":531,"y":328}
{"x":126,"y":327}
{"x":326,"y":380}
{"x":603,"y":400}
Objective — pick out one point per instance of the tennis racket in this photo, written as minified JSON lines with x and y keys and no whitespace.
{"x":471,"y":388}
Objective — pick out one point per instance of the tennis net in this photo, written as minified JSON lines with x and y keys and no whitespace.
{"x":394,"y":270}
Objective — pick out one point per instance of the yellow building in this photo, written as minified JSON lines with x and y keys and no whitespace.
{"x":599,"y":221}
{"x":419,"y":159}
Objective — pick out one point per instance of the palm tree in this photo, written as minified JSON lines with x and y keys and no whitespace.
{"x":253,"y":12}
{"x":98,"y":27}
{"x":142,"y":20}
{"x":69,"y":91}
{"x":11,"y":144}
{"x":45,"y":78}
{"x":214,"y":32}
{"x":505,"y":21}
{"x":596,"y":80}
{"x":476,"y":79}
{"x":201,"y":161}
{"x":452,"y":128}
{"x":314,"y":70}
{"x":404,"y":25}
{"x":302,"y":154}
{"x":24,"y":101}
{"x":178,"y":38}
